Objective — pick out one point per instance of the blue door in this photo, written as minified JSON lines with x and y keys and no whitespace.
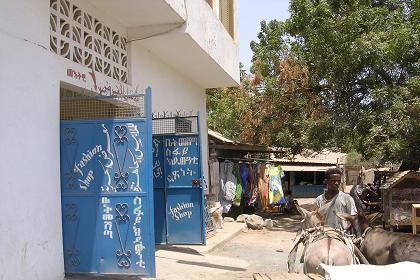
{"x":107,"y":202}
{"x":178,"y":190}
{"x":159,"y":194}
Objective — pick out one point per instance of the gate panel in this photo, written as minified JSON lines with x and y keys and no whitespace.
{"x":106,"y":188}
{"x":125,"y":248}
{"x":78,"y":218}
{"x":182,"y":164}
{"x":184,"y":192}
{"x":159,"y":195}
{"x":178,"y":191}
{"x":185,"y":216}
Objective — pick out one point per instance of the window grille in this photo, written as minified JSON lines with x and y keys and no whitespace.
{"x":183,"y":125}
{"x":226,"y":15}
{"x":80,"y":37}
{"x":75,"y":106}
{"x":175,"y":125}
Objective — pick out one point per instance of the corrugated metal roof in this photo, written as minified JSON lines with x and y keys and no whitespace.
{"x":227,"y":143}
{"x":220,"y":137}
{"x":306,"y":168}
{"x":323,"y":157}
{"x":397,"y":177}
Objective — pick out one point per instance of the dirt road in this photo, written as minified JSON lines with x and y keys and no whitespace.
{"x":265,"y":250}
{"x":260,"y":251}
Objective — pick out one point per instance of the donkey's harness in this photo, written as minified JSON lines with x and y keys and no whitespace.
{"x":315,"y":234}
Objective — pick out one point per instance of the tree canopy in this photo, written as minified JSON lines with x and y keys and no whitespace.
{"x":339,"y":74}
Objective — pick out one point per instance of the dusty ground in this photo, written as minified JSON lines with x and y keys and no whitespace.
{"x":263,"y":251}
{"x":266,"y":251}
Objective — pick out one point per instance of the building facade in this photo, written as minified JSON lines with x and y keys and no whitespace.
{"x":178,"y":48}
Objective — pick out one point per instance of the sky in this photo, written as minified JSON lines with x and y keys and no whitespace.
{"x":251,"y":13}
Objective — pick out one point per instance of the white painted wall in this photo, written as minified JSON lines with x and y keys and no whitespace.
{"x":30,"y":220}
{"x":170,"y":91}
{"x":212,"y":36}
{"x":200,"y":48}
{"x":30,"y":224}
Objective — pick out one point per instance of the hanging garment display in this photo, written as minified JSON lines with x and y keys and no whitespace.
{"x":275,"y":189}
{"x":263,"y":185}
{"x":244,"y":171}
{"x":228,"y":185}
{"x":252,"y":184}
{"x":239,"y":184}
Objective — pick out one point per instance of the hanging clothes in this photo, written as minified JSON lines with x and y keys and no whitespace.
{"x":228,"y":185}
{"x":239,"y":184}
{"x":263,"y":185}
{"x":244,"y":171}
{"x":276,"y":195}
{"x":252,"y":184}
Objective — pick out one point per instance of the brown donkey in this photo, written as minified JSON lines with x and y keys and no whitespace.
{"x":320,"y":245}
{"x":383,"y":247}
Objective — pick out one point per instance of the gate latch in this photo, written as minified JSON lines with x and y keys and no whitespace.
{"x":196,"y":182}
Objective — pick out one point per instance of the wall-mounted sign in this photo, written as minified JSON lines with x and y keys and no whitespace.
{"x":98,"y":83}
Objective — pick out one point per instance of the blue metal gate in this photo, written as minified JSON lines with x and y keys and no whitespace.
{"x":106,"y":185}
{"x":177,"y":180}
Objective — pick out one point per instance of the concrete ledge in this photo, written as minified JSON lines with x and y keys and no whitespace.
{"x":229,"y":231}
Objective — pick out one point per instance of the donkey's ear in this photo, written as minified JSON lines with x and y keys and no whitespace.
{"x":345,"y":216}
{"x":305,"y":213}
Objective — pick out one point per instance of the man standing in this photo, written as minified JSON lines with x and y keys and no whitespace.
{"x":338,"y":201}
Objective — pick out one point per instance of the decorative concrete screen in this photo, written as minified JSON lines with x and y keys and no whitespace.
{"x":80,"y":37}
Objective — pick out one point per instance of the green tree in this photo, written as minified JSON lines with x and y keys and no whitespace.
{"x":224,"y":109}
{"x":363,"y":57}
{"x":276,"y":107}
{"x":338,"y":74}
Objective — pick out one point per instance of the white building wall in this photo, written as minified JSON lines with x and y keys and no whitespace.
{"x":211,"y":38}
{"x":170,"y":91}
{"x":30,"y":223}
{"x":30,"y":227}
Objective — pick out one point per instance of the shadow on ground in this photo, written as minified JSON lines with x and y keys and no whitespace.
{"x":103,"y":276}
{"x":177,"y":249}
{"x":211,"y":265}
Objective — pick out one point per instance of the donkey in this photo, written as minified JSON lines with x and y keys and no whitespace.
{"x":324,"y":248}
{"x":382,"y":247}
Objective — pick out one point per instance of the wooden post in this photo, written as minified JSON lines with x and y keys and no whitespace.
{"x":415,"y":217}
